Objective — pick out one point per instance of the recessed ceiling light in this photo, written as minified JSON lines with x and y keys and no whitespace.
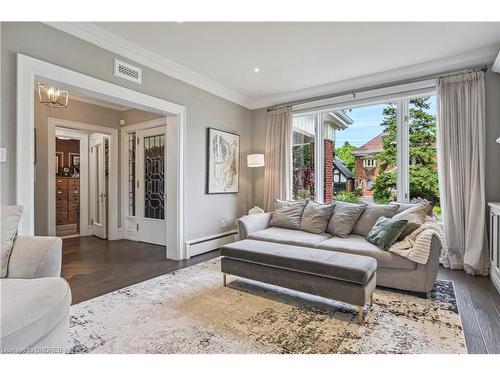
{"x":256,"y":69}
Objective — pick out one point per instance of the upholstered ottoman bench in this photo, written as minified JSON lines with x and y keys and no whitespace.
{"x":344,"y":277}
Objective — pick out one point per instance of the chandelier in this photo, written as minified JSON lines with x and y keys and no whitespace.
{"x":52,"y":96}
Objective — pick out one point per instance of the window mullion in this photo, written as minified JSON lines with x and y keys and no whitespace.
{"x":403,"y":159}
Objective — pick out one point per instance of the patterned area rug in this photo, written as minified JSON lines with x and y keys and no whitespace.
{"x":189,"y":311}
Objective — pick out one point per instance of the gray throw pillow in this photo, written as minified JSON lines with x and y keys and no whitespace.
{"x":287,"y":214}
{"x":10,"y":217}
{"x":315,"y":217}
{"x":385,"y":232}
{"x":370,"y":216}
{"x":344,"y":218}
{"x":415,"y":215}
{"x":403,"y":206}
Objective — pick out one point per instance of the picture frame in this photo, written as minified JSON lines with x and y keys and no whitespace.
{"x":74,"y":159}
{"x":223,"y":162}
{"x":59,"y":162}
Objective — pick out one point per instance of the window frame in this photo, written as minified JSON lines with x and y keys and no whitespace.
{"x":400,"y":98}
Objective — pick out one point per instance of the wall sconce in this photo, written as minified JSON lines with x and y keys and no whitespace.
{"x":255,"y":160}
{"x":52,"y":96}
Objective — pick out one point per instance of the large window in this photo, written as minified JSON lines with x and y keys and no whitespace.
{"x":380,"y":153}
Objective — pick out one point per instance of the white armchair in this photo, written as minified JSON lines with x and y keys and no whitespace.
{"x":35,"y":300}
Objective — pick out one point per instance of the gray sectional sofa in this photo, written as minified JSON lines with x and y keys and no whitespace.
{"x":393,"y":271}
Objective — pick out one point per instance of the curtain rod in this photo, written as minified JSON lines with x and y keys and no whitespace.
{"x":375,"y":87}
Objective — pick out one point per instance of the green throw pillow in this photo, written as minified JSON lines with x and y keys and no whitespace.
{"x":385,"y":232}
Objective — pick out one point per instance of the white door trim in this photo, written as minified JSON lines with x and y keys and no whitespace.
{"x":128,"y":222}
{"x":29,"y":70}
{"x":53,"y":131}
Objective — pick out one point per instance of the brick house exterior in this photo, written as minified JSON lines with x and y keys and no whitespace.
{"x":366,"y":167}
{"x":329,"y":154}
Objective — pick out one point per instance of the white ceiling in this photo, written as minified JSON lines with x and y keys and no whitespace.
{"x":297,"y":56}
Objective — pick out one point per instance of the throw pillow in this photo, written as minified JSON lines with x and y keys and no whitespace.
{"x":403,"y":206}
{"x":315,"y":217}
{"x":385,"y":232}
{"x":370,"y":216}
{"x":344,"y":218}
{"x":287,"y":214}
{"x":415,"y":216}
{"x":10,"y":216}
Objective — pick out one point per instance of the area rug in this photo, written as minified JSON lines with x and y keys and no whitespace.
{"x":189,"y":311}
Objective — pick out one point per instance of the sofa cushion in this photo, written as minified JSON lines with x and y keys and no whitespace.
{"x":415,"y":216}
{"x":347,"y":267}
{"x":370,"y":216}
{"x":315,"y":217}
{"x":344,"y":218}
{"x":355,"y":244}
{"x":10,"y":217}
{"x":385,"y":232}
{"x":287,"y":214}
{"x":31,"y":308}
{"x":288,"y":236}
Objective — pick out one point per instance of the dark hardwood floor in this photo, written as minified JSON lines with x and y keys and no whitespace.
{"x":94,"y":267}
{"x":479,"y":307}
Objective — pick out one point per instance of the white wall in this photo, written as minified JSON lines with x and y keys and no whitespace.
{"x":203,"y":212}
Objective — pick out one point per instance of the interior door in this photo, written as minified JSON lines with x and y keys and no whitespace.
{"x":151,"y":186}
{"x":98,"y":191}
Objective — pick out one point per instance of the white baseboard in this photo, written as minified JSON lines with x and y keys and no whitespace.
{"x":205,"y":244}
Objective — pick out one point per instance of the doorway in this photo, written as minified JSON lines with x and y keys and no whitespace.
{"x":30,"y":71}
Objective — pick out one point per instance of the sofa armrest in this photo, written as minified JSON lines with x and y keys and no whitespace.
{"x":252,"y":223}
{"x":34,"y":257}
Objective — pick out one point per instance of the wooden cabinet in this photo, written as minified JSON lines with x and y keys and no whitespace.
{"x":67,"y":200}
{"x":495,"y":244}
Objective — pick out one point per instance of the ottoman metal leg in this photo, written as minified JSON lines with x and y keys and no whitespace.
{"x":360,"y":314}
{"x":224,"y":279}
{"x":371,"y":300}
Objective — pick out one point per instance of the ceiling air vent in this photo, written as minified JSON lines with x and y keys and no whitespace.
{"x":127,"y":71}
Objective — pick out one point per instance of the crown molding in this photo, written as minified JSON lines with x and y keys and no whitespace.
{"x":114,"y":43}
{"x":467,"y":60}
{"x":496,"y":65}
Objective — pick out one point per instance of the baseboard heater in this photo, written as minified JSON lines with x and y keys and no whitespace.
{"x":209,"y":243}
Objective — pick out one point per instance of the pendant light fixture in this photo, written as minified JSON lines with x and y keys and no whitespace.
{"x":52,"y":96}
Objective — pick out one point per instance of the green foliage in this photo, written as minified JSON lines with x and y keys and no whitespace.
{"x":303,"y":155}
{"x":304,"y":194}
{"x":346,"y":196}
{"x":383,"y":186}
{"x":344,"y":153}
{"x":422,"y":153}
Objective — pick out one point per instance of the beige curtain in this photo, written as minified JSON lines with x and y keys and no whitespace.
{"x":461,"y":162}
{"x":277,"y":174}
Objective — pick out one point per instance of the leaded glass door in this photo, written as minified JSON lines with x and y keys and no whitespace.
{"x":150,"y":200}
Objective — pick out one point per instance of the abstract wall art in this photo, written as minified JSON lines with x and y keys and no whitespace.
{"x":223,"y":161}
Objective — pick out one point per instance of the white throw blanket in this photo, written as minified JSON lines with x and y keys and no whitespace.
{"x":417,"y":245}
